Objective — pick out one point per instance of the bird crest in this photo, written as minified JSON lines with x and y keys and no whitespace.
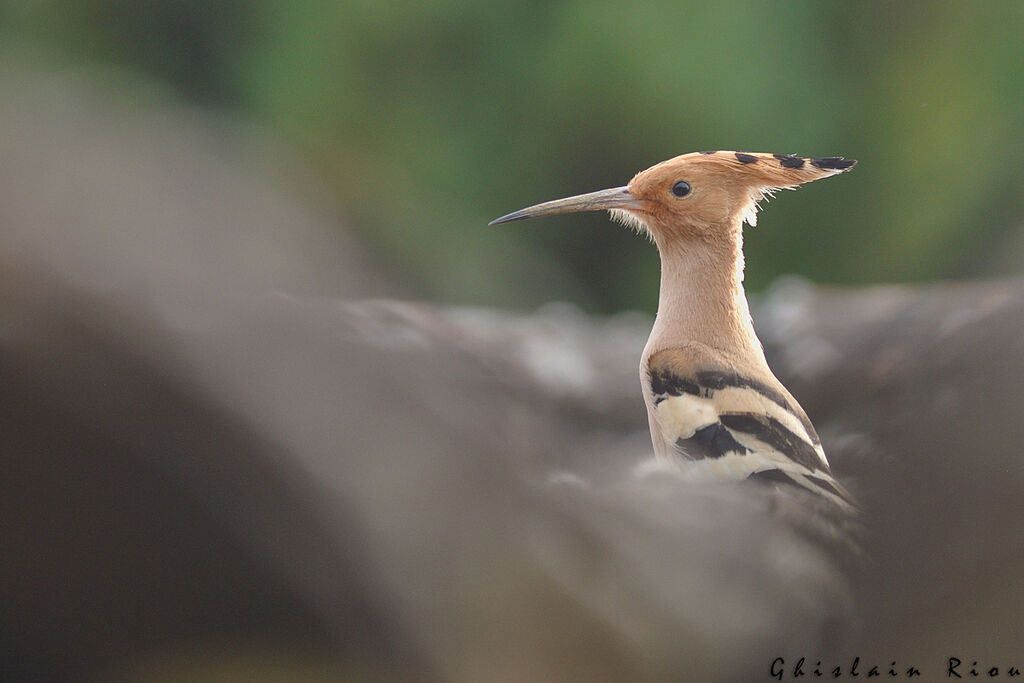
{"x":703,"y":188}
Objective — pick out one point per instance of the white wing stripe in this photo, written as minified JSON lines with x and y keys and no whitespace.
{"x":744,"y":400}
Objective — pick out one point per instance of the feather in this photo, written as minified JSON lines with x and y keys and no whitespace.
{"x":720,"y":424}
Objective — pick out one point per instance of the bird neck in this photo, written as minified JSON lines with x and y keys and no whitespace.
{"x":701,"y":299}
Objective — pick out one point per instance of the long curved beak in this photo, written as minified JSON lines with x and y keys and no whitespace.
{"x":615,"y":198}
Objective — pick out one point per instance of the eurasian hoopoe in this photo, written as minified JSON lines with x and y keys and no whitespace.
{"x":713,"y":404}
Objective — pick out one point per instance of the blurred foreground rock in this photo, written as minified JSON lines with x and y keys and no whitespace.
{"x":397,"y":489}
{"x":211,"y":472}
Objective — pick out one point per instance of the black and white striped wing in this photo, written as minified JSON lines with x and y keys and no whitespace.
{"x":729,"y":426}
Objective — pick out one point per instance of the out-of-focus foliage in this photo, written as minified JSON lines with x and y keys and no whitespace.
{"x":427,"y":119}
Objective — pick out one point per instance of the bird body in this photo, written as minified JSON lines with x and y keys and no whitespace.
{"x":713,"y":404}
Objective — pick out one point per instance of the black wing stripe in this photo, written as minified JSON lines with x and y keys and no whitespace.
{"x":666,"y":383}
{"x":829,"y":486}
{"x":721,"y":380}
{"x":773,"y":476}
{"x":774,"y":433}
{"x":710,"y":441}
{"x":825,"y":486}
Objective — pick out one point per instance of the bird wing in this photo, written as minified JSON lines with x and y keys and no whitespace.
{"x":725,"y":424}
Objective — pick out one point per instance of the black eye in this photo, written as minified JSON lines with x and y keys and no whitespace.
{"x":681,"y":189}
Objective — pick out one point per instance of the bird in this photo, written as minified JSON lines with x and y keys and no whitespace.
{"x":715,"y":408}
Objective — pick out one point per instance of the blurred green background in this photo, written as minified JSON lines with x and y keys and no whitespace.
{"x":427,"y":119}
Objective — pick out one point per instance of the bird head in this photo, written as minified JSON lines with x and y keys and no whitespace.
{"x":696,"y":195}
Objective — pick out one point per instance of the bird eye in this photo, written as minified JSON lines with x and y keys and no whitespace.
{"x":681,"y":189}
